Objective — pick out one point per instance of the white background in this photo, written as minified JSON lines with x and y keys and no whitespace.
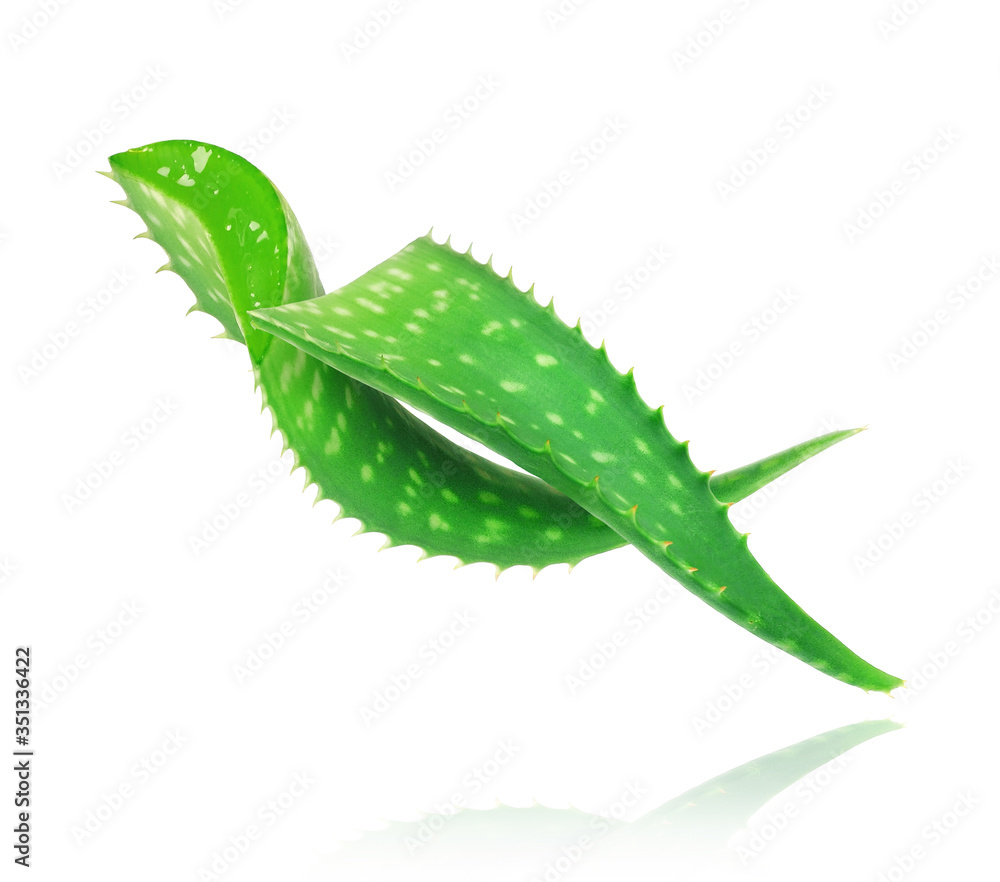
{"x":273,"y":81}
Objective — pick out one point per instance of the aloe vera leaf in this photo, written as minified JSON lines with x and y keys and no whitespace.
{"x":232,"y":238}
{"x":740,"y":483}
{"x":472,"y":350}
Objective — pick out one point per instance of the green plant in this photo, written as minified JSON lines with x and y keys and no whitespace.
{"x":445,"y":334}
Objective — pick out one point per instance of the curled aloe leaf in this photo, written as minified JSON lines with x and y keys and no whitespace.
{"x":233,"y":239}
{"x":443,"y":333}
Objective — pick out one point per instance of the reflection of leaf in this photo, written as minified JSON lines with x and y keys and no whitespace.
{"x":711,"y":813}
{"x":492,"y":842}
{"x":443,"y":333}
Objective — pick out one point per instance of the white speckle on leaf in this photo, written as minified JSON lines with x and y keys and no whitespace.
{"x":200,"y":158}
{"x":333,"y":444}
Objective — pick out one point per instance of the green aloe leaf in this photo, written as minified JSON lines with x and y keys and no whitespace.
{"x":746,"y":480}
{"x":231,"y":236}
{"x":435,"y":328}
